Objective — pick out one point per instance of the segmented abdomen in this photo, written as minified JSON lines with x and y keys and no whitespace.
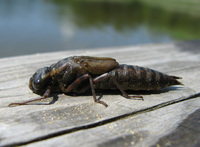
{"x":137,"y":78}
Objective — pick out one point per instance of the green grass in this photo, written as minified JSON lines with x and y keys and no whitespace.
{"x":191,"y":7}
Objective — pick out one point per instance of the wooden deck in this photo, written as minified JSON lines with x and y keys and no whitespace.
{"x":170,"y":117}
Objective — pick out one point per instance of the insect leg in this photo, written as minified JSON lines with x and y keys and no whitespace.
{"x":78,"y":81}
{"x":118,"y":86}
{"x":74,"y":84}
{"x":94,"y":94}
{"x":46,"y":94}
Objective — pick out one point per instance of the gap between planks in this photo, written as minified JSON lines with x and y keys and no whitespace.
{"x":103,"y":122}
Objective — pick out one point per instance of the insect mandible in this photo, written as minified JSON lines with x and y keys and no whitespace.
{"x":78,"y":74}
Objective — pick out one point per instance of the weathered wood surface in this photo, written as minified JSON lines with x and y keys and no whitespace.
{"x":165,"y":118}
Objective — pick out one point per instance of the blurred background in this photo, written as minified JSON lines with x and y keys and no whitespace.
{"x":36,"y":26}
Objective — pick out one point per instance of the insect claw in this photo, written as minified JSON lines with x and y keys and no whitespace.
{"x":140,"y":98}
{"x":102,"y":102}
{"x":14,"y":104}
{"x":135,"y":97}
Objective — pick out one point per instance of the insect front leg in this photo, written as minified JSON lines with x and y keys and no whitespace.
{"x":46,"y":95}
{"x":107,"y":75}
{"x":78,"y":82}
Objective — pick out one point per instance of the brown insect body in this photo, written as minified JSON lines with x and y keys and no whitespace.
{"x":60,"y":75}
{"x":136,"y":78}
{"x":71,"y":74}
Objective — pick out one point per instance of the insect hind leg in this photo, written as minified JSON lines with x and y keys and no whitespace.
{"x":118,"y":86}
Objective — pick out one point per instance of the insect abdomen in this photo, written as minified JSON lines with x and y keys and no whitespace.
{"x":138,"y":78}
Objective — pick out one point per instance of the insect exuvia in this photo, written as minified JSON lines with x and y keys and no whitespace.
{"x":78,"y":74}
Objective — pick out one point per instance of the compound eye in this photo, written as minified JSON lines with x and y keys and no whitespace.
{"x":40,"y":78}
{"x":37,"y":84}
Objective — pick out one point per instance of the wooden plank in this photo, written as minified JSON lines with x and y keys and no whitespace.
{"x":144,"y":129}
{"x":65,"y":114}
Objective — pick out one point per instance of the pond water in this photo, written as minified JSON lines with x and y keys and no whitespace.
{"x":36,"y":26}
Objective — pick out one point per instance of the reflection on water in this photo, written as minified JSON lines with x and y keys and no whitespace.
{"x":53,"y":25}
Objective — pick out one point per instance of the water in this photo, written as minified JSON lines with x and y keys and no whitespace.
{"x":36,"y":26}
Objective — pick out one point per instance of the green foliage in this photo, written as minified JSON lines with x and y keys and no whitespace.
{"x":179,"y":18}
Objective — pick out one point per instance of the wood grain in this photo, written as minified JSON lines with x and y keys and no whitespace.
{"x":77,"y":121}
